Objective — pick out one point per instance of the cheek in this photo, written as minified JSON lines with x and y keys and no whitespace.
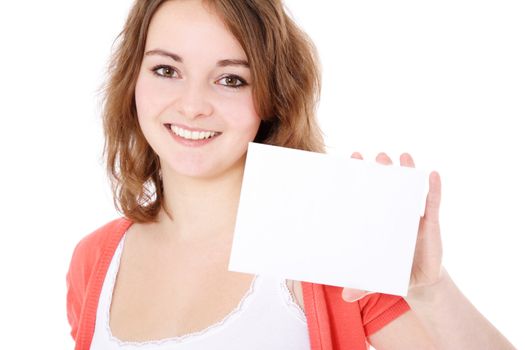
{"x":142,"y":98}
{"x":243,"y":116}
{"x":147,"y":98}
{"x":253,"y":127}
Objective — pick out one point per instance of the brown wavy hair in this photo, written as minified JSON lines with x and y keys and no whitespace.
{"x":286,"y":88}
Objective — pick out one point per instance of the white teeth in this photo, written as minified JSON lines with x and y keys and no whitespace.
{"x":192,"y":135}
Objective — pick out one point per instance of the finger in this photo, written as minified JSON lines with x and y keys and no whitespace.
{"x":433,"y":198}
{"x":357,"y":155}
{"x":406,"y":160}
{"x":383,"y":158}
{"x":351,"y":295}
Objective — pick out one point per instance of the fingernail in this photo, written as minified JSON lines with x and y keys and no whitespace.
{"x":351,"y":297}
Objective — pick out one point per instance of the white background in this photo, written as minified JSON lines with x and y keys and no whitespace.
{"x":443,"y":81}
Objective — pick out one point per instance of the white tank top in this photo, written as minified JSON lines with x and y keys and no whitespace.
{"x":266,"y":318}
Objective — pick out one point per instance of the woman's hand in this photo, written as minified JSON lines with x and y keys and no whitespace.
{"x":426,"y":266}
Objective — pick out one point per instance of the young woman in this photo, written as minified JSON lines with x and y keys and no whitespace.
{"x":191,"y":84}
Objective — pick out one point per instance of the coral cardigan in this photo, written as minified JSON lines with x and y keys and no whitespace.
{"x":332,"y":322}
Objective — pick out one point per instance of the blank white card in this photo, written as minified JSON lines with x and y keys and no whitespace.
{"x":327,"y":219}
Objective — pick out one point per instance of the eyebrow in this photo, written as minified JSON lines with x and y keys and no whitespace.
{"x":177,"y":58}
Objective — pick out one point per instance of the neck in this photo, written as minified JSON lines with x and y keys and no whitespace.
{"x":201,"y":208}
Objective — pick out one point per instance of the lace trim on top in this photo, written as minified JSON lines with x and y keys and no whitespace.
{"x":176,"y":339}
{"x":290,"y":302}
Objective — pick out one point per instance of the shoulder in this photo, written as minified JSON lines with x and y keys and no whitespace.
{"x":90,"y":247}
{"x":93,"y":250}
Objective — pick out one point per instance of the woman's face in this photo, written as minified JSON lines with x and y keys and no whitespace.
{"x":194,"y":92}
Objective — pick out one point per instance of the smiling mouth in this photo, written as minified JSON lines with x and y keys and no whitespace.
{"x":191,"y":134}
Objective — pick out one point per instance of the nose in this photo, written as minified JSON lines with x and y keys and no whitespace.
{"x":193,"y":100}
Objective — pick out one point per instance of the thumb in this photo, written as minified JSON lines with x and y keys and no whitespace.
{"x":351,"y":295}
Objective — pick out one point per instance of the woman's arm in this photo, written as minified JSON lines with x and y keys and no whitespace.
{"x":448,"y":317}
{"x":451,"y":320}
{"x":404,"y":333}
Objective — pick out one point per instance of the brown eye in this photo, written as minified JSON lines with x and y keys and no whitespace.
{"x":164,"y":71}
{"x":233,"y":81}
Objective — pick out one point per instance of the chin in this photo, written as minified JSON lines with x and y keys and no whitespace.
{"x":192,"y":171}
{"x":202,"y":171}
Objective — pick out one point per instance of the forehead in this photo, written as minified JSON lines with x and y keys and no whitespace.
{"x":190,"y":29}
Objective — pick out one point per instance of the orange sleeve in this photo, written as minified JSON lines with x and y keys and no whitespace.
{"x":74,"y":292}
{"x":377,"y":310}
{"x":86,"y":273}
{"x":77,"y":278}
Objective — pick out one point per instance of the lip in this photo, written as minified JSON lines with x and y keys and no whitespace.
{"x":190,"y":143}
{"x":167,"y":125}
